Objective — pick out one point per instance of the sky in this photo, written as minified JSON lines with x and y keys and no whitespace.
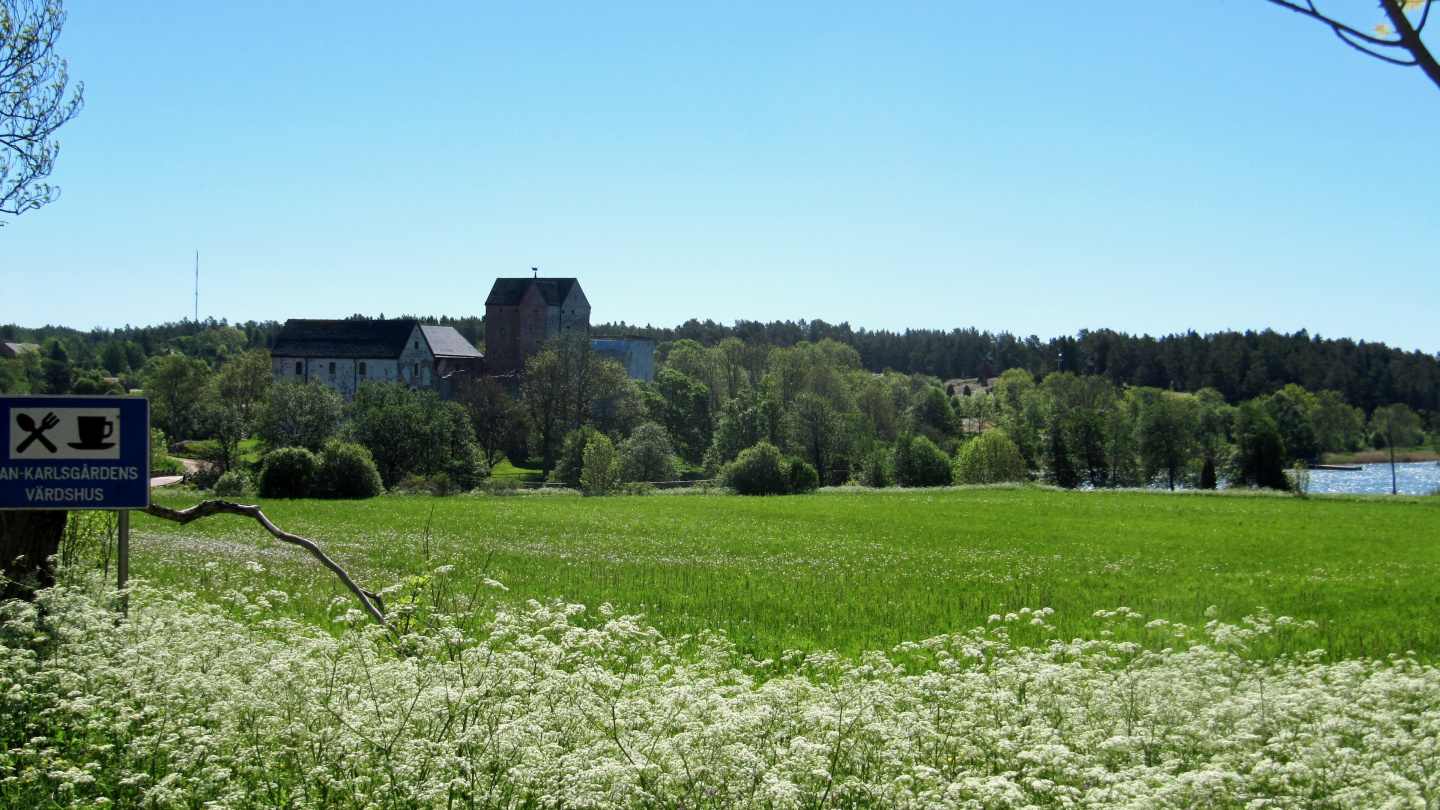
{"x":1032,"y":168}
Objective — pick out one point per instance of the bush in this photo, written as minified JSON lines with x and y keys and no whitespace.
{"x":917,"y":462}
{"x":759,"y":470}
{"x":648,"y":456}
{"x":289,"y":472}
{"x":233,"y":484}
{"x":572,"y":457}
{"x":874,"y":470}
{"x":802,"y":477}
{"x":990,"y":458}
{"x":601,"y":465}
{"x":206,"y":477}
{"x":347,"y":471}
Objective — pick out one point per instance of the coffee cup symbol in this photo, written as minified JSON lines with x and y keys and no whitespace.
{"x":93,"y":430}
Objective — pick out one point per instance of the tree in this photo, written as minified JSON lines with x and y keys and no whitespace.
{"x":415,"y":433}
{"x":494,"y":414}
{"x":1291,"y":407}
{"x":821,"y":436}
{"x":1167,"y":435}
{"x":1339,"y":427}
{"x":33,"y":102}
{"x":546,"y":393}
{"x":647,"y":455}
{"x":917,"y":462}
{"x":33,"y":106}
{"x":685,"y":412}
{"x":1259,"y":451}
{"x":1397,"y":41}
{"x":1399,"y":426}
{"x":176,"y":384}
{"x":571,"y":463}
{"x":299,"y":414}
{"x":1062,"y":465}
{"x":243,"y":383}
{"x":748,"y":418}
{"x":601,"y":473}
{"x":990,"y":458}
{"x":758,"y":470}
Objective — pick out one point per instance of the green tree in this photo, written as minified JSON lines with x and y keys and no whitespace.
{"x":1061,"y":464}
{"x":55,"y":366}
{"x":33,"y":102}
{"x":601,"y":473}
{"x":820,"y":435}
{"x":1291,"y":408}
{"x":176,"y":386}
{"x":415,"y":433}
{"x":571,"y":463}
{"x":1259,"y":459}
{"x":1168,"y":423}
{"x":647,"y":455}
{"x":1399,"y":426}
{"x":752,"y":416}
{"x":494,"y":414}
{"x":990,"y":458}
{"x":243,"y":382}
{"x":546,"y":392}
{"x":758,"y":470}
{"x":917,"y":462}
{"x":684,"y":410}
{"x":931,"y":414}
{"x":1339,"y":427}
{"x":299,"y":414}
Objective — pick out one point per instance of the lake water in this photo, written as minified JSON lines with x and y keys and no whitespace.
{"x":1418,"y":478}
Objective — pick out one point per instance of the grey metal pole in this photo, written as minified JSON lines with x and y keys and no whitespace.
{"x":122,"y":566}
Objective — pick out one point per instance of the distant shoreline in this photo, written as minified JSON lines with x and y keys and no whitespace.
{"x":1382,"y":456}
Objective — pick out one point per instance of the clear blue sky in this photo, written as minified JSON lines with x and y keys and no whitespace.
{"x":1037,"y":168}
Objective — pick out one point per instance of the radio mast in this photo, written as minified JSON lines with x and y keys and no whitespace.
{"x":197,"y":288}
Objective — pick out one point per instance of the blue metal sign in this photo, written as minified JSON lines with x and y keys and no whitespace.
{"x":75,"y":453}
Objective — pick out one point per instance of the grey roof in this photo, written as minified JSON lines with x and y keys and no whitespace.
{"x":446,"y":342}
{"x":17,"y":349}
{"x":508,"y":292}
{"x":350,"y":338}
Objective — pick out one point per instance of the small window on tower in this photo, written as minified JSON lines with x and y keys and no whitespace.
{"x":332,"y":368}
{"x":417,"y":369}
{"x":362,"y":369}
{"x":417,"y":344}
{"x":299,"y":368}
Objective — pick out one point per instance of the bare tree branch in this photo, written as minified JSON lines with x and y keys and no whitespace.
{"x":208,"y":508}
{"x":1406,"y":36}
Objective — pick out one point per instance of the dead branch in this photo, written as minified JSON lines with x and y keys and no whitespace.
{"x":208,"y":508}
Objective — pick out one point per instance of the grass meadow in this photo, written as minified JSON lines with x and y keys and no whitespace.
{"x":862,"y":570}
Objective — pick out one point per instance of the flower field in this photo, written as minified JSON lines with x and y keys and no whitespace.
{"x":553,"y":706}
{"x":975,"y":649}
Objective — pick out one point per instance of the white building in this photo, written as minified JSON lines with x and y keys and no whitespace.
{"x":343,"y":354}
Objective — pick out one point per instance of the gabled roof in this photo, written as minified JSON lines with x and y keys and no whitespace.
{"x":351,"y":338}
{"x":508,"y":292}
{"x":17,"y":349}
{"x":446,"y":342}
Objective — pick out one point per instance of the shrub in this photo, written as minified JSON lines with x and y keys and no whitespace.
{"x":802,"y":477}
{"x":874,"y":470}
{"x":990,"y":458}
{"x":572,"y":456}
{"x":601,"y":468}
{"x":347,"y":471}
{"x":648,"y":456}
{"x":289,"y":472}
{"x":917,"y":462}
{"x":205,"y":477}
{"x":233,"y":484}
{"x":759,"y":470}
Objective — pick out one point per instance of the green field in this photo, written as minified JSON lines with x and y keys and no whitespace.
{"x":859,"y":570}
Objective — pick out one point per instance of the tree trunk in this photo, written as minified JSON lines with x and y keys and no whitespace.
{"x":27,"y":542}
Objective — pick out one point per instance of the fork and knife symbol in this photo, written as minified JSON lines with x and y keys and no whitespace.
{"x":37,"y":433}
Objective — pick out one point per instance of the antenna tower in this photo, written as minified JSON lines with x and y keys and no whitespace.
{"x":197,"y":288}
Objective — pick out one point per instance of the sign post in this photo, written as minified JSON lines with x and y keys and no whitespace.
{"x":77,"y":453}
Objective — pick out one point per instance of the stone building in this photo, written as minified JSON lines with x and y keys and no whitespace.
{"x":522,"y":313}
{"x":343,"y":354}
